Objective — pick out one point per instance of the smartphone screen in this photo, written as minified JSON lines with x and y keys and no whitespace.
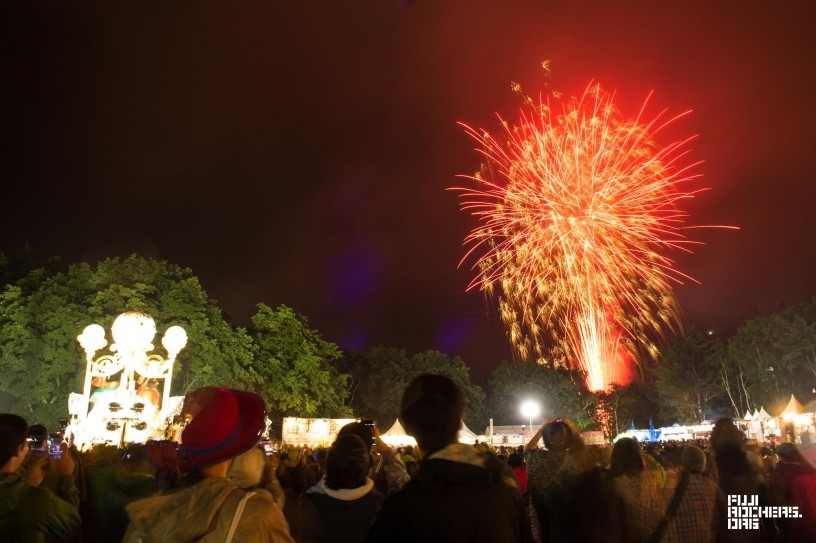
{"x":54,"y":450}
{"x":370,"y":424}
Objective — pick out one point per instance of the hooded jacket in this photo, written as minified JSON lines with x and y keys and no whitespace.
{"x":203,"y":512}
{"x":29,"y":513}
{"x":457,"y":496}
{"x":340,"y":516}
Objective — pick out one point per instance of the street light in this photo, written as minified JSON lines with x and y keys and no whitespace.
{"x":530,"y":409}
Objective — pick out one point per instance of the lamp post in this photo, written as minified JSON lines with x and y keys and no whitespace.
{"x":530,"y":409}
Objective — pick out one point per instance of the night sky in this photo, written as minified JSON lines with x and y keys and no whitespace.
{"x":298,"y":152}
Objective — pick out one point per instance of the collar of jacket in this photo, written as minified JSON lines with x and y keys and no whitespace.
{"x":344,"y":494}
{"x":460,"y":452}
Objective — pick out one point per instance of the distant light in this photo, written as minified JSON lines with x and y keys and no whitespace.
{"x":529,"y":409}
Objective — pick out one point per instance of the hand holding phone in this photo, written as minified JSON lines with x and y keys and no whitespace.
{"x":64,"y":464}
{"x":35,"y":468}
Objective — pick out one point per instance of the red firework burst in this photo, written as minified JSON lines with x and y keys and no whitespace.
{"x":577,"y":210}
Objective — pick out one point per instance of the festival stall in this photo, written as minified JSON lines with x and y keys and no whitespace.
{"x":675,"y":432}
{"x":508,"y":436}
{"x":311,"y":432}
{"x":795,"y":423}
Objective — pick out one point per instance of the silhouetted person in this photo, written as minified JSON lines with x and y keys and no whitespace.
{"x":341,"y":507}
{"x":736,"y":475}
{"x":458,"y":494}
{"x":551,"y":477}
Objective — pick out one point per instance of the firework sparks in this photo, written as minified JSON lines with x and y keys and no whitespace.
{"x":576,"y":211}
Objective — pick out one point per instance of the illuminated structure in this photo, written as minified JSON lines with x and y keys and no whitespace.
{"x":120,"y":400}
{"x":577,"y":208}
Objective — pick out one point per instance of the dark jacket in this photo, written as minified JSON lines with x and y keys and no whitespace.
{"x":126,"y":488}
{"x":552,"y":480}
{"x":29,"y":513}
{"x":457,"y":496}
{"x":343,"y":516}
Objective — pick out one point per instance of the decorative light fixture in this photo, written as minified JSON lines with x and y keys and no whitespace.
{"x":113,"y":425}
{"x":126,"y":379}
{"x":141,"y":425}
{"x":133,"y":334}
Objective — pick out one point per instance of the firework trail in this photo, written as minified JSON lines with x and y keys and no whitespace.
{"x":576,"y":209}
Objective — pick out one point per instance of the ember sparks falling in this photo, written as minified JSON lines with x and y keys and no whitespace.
{"x":576,"y":209}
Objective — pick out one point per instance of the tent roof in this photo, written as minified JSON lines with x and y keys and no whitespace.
{"x":466,"y":435}
{"x":396,"y":436}
{"x":395,"y":430}
{"x":465,"y":431}
{"x":793,"y":407}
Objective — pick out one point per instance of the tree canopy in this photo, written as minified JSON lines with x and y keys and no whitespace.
{"x":380,"y":375}
{"x":295,"y":366}
{"x":772,"y":357}
{"x":299,"y":373}
{"x":42,"y":313}
{"x":687,"y":379}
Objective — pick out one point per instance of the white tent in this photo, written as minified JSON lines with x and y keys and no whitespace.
{"x":396,"y":436}
{"x":466,"y":435}
{"x":793,"y":408}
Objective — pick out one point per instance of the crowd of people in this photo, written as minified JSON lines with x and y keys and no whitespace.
{"x":219,"y":484}
{"x":674,"y":492}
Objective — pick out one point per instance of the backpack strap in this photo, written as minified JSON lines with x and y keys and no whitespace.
{"x":236,"y":517}
{"x":671,"y":510}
